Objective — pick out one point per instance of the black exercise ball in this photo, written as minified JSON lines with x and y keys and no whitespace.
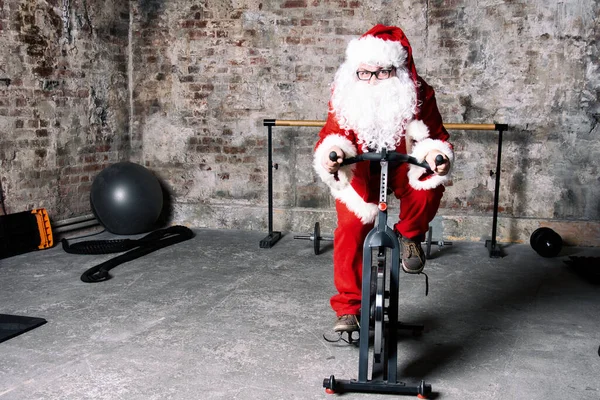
{"x":126,"y":198}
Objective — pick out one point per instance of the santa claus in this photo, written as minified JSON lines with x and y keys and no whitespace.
{"x":378,"y":101}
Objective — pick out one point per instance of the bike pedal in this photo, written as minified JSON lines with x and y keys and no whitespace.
{"x":335,"y":337}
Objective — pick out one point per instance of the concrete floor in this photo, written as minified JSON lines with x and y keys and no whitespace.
{"x":217,"y":317}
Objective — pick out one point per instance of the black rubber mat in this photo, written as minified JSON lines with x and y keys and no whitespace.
{"x":586,"y":267}
{"x":14,"y":325}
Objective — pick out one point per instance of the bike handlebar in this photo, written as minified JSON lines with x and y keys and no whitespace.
{"x":387,"y":156}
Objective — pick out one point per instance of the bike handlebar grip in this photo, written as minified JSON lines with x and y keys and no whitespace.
{"x":333,"y":156}
{"x":439,"y":160}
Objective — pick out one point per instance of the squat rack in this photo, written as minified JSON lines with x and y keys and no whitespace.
{"x":273,"y":236}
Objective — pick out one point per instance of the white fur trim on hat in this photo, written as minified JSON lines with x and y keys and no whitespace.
{"x":374,"y":51}
{"x":420,"y":150}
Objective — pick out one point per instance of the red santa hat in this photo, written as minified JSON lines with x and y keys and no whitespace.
{"x":382,"y":46}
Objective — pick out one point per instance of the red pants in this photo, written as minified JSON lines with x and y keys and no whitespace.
{"x":417,"y":209}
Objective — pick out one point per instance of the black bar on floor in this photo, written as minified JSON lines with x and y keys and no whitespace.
{"x":353,"y":386}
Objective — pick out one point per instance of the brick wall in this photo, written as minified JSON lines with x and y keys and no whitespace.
{"x":223,"y":70}
{"x":205,"y":74}
{"x":63,"y":101}
{"x":211,"y":73}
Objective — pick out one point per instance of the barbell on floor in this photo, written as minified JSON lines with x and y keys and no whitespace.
{"x":316,"y":238}
{"x":429,"y":242}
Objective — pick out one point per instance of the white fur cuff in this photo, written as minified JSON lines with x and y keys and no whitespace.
{"x":425,"y":146}
{"x":417,"y":130}
{"x":366,"y":212}
{"x":419,"y":152}
{"x":344,"y":173}
{"x":340,"y":187}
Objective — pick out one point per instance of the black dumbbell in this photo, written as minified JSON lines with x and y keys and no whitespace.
{"x":316,"y":238}
{"x":546,"y":242}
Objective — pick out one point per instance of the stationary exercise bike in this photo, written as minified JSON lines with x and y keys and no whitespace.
{"x":380,"y":244}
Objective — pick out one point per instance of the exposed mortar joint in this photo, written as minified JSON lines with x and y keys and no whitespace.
{"x":48,"y":85}
{"x":98,"y":110}
{"x":86,"y":16}
{"x":426,"y":18}
{"x":130,"y":67}
{"x":66,"y":21}
{"x":427,"y":29}
{"x":595,"y":124}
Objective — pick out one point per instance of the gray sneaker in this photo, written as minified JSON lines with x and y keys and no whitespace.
{"x":346,"y":323}
{"x":413,"y":257}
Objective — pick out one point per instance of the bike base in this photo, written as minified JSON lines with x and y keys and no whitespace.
{"x":333,"y":385}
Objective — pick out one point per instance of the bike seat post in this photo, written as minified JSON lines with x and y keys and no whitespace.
{"x":390,"y":370}
{"x":382,"y":215}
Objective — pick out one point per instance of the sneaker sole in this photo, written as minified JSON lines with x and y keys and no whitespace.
{"x":412,"y":271}
{"x":346,"y":329}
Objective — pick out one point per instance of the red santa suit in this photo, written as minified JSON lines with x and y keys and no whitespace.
{"x":356,"y":187}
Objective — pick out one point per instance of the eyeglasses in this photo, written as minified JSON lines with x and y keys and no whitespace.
{"x":380,"y":74}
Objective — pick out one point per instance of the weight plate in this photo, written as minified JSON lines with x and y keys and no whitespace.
{"x":535,"y":236}
{"x":546,"y":242}
{"x":317,"y":239}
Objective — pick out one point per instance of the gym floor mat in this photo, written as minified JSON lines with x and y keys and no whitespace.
{"x":14,"y":325}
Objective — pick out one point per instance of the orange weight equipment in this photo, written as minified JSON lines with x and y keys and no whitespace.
{"x":24,"y":232}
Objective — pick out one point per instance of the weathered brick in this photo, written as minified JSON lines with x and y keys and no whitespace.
{"x":233,"y":150}
{"x":294,"y":4}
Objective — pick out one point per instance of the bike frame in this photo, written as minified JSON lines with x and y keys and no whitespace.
{"x":380,"y":238}
{"x":385,"y":349}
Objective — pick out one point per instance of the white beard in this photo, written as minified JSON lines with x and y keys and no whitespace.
{"x":377,"y":113}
